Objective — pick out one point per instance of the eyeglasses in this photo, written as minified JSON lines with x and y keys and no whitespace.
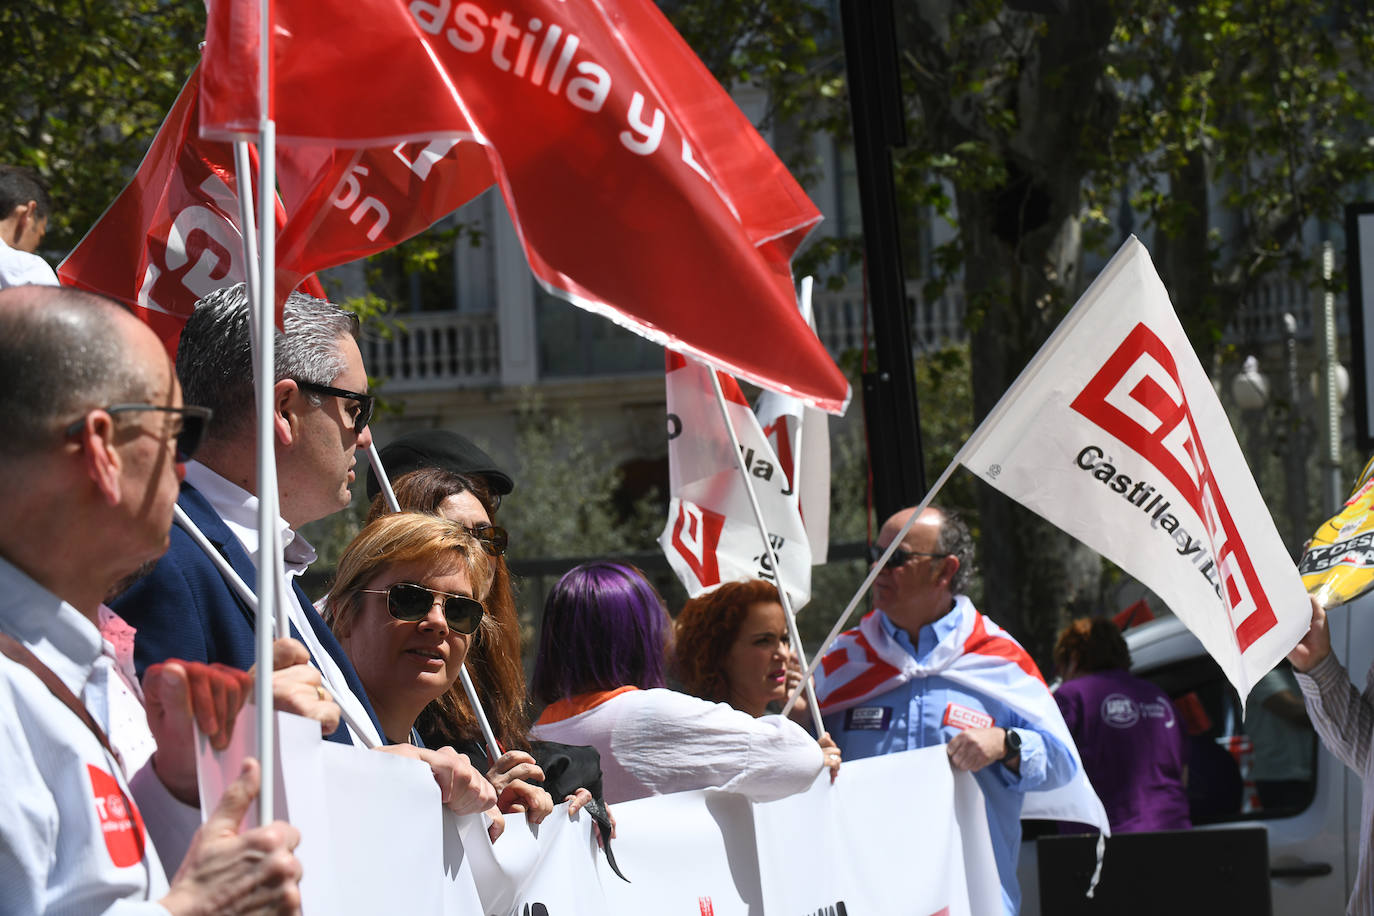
{"x":492,"y":537}
{"x":189,"y":435}
{"x":411,"y":603}
{"x":900,"y":556}
{"x":365,"y":401}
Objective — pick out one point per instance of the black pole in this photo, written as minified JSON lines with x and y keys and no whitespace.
{"x":875,"y":102}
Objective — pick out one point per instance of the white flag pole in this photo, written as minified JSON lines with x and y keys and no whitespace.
{"x":269,"y":550}
{"x":493,"y":748}
{"x":772,"y":555}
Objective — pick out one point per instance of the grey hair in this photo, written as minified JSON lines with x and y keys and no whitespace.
{"x":215,"y":359}
{"x":62,"y":352}
{"x":955,"y":540}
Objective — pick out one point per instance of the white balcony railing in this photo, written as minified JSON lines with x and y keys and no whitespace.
{"x":437,"y":350}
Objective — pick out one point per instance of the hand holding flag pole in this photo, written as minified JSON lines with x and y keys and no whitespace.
{"x":493,"y":748}
{"x":772,"y":560}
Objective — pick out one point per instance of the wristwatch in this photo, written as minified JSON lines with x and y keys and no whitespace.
{"x":1011,"y":746}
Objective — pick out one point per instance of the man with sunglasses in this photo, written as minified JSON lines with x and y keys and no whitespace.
{"x":95,"y":432}
{"x":925,"y":669}
{"x":185,"y":608}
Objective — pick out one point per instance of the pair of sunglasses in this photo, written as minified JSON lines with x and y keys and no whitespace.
{"x":493,"y":538}
{"x":411,"y":603}
{"x":900,"y":557}
{"x":365,"y":402}
{"x":189,"y":436}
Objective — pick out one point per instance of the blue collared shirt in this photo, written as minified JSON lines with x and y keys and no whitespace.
{"x":918,"y":714}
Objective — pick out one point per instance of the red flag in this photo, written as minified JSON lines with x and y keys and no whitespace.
{"x":638,"y":188}
{"x":172,"y":235}
{"x":348,"y":204}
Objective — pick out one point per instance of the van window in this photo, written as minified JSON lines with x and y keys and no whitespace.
{"x":1262,"y":765}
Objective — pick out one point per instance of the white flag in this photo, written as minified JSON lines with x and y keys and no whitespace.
{"x":1115,"y":434}
{"x":712,"y":536}
{"x":800,"y":437}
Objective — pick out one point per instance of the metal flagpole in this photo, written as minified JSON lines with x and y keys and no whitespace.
{"x":772,"y":556}
{"x":493,"y":748}
{"x":269,"y":551}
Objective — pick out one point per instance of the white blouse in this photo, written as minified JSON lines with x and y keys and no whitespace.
{"x":657,"y":741}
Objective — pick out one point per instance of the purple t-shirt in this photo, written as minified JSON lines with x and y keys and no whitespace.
{"x":1133,"y":747}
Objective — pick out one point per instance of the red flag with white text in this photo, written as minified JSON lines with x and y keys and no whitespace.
{"x":711,"y":535}
{"x":172,"y":235}
{"x":1115,"y":434}
{"x":637,"y":187}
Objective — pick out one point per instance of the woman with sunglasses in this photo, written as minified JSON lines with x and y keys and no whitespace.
{"x":601,"y":668}
{"x":733,"y":646}
{"x":568,"y":773}
{"x":407,"y":608}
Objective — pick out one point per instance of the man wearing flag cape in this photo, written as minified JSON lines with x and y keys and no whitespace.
{"x":925,"y":668}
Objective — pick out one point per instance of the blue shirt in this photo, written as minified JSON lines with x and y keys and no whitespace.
{"x":917,"y":714}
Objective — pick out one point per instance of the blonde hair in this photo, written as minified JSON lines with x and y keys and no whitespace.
{"x":401,"y":539}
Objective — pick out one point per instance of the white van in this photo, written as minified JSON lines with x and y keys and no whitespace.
{"x":1314,"y":834}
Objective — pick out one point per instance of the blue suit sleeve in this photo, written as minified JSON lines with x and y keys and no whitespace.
{"x":170,"y":608}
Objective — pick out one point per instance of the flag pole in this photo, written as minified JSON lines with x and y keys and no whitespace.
{"x":493,"y":748}
{"x":792,"y":632}
{"x":269,"y":548}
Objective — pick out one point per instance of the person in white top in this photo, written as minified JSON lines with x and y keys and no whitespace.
{"x":24,"y":210}
{"x":732,"y":646}
{"x":94,"y":424}
{"x":601,"y":669}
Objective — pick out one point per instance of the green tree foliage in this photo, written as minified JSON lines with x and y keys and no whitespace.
{"x":86,"y":85}
{"x":1029,"y":121}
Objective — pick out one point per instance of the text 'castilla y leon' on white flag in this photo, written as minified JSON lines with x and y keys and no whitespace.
{"x":711,"y":535}
{"x":1115,"y":434}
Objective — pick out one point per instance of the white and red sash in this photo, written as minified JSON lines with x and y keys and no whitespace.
{"x":980,"y":657}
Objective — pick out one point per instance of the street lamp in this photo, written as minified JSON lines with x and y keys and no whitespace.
{"x":1250,"y":388}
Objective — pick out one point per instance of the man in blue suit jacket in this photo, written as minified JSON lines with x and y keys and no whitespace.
{"x":185,"y":608}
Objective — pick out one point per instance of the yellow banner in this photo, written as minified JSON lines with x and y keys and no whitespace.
{"x":1338,"y":563}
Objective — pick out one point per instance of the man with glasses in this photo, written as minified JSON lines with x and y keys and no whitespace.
{"x":95,"y":433}
{"x":925,"y":668}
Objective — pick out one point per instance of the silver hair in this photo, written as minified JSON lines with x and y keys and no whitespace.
{"x":215,"y":359}
{"x":955,"y":540}
{"x":60,"y":356}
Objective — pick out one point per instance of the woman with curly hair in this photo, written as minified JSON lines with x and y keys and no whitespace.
{"x":733,"y":646}
{"x":601,"y":667}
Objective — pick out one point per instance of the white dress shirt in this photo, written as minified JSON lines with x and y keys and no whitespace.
{"x":239,"y":510}
{"x":20,"y":268}
{"x":68,"y":843}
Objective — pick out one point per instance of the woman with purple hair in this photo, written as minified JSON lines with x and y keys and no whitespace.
{"x":601,"y":669}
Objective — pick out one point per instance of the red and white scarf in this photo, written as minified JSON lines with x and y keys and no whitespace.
{"x":980,"y":657}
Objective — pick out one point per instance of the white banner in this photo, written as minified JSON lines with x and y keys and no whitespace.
{"x":800,"y":437}
{"x":374,"y":840}
{"x":1115,"y":434}
{"x":711,"y":535}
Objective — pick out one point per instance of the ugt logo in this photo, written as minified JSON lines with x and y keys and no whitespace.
{"x":1137,"y":397}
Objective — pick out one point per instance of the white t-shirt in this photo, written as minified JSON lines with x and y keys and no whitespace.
{"x":68,"y":840}
{"x":656,"y":742}
{"x":20,"y":268}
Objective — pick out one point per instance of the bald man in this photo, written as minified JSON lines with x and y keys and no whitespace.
{"x":95,"y":436}
{"x":925,"y":669}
